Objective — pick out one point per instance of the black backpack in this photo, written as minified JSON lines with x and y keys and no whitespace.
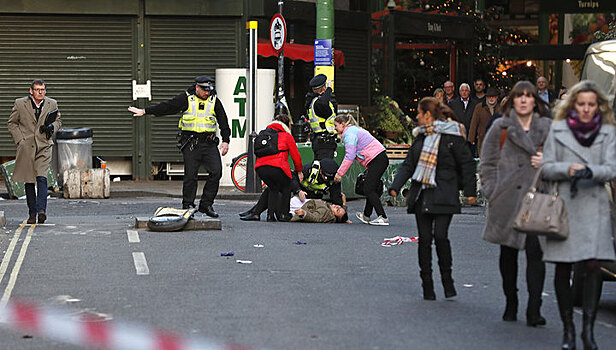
{"x":266,"y":143}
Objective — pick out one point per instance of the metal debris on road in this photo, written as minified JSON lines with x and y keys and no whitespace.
{"x":258,"y":245}
{"x":227,"y":254}
{"x":298,"y":243}
{"x":468,"y":285}
{"x":243,"y":261}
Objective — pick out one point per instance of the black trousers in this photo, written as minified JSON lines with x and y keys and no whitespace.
{"x":205,"y":154}
{"x":322,"y":149}
{"x":279,"y":189}
{"x":535,"y":268}
{"x":434,"y":227}
{"x":375,"y":170}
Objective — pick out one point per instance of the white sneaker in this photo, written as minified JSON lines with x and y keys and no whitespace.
{"x":380,"y":221}
{"x":363,"y":218}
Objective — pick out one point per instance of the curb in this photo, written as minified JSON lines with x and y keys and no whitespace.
{"x":231,"y":196}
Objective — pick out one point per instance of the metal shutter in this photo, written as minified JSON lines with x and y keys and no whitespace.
{"x":87,"y":63}
{"x":179,"y":50}
{"x":353,"y":81}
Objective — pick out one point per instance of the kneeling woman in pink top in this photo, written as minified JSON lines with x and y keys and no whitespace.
{"x":360,"y":145}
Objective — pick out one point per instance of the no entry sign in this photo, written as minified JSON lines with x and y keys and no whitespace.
{"x":278,"y":32}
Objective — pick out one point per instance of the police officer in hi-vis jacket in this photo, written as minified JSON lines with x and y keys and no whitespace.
{"x":322,"y":108}
{"x":202,"y":111}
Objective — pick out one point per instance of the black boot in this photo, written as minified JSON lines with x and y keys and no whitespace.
{"x":592,"y":293}
{"x":246,"y":213}
{"x":428,"y":286}
{"x":271,"y":217}
{"x":443,"y":251}
{"x":250,"y":217}
{"x":533,"y":315}
{"x":511,"y":308}
{"x":208,"y":210}
{"x":424,"y":252}
{"x":565,"y":305}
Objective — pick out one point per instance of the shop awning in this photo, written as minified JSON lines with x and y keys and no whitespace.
{"x":295,"y":52}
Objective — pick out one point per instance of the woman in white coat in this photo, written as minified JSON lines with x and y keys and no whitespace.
{"x":580,"y":154}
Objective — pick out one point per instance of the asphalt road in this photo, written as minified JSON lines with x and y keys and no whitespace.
{"x":340,"y":290}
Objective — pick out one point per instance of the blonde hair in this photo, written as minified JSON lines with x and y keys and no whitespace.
{"x":564,"y":106}
{"x":346,"y":119}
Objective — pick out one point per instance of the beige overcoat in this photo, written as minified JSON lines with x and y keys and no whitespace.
{"x":33,"y":148}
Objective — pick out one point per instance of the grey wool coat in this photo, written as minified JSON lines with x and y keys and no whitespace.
{"x":506,"y":174}
{"x":33,"y":148}
{"x":590,"y":228}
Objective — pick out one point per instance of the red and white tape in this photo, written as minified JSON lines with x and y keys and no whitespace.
{"x":390,"y":242}
{"x":89,"y":331}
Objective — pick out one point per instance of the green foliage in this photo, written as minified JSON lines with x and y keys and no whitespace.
{"x":610,"y":35}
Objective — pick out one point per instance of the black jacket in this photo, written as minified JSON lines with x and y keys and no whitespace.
{"x":464,"y":115}
{"x":180,"y":103}
{"x":455,"y":170}
{"x":321,"y":105}
{"x":333,"y":188}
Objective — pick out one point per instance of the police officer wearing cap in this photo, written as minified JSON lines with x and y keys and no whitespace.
{"x":322,"y":108}
{"x":318,"y":181}
{"x":202,"y":111}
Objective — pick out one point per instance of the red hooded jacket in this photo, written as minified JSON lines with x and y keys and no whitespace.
{"x":286,"y":144}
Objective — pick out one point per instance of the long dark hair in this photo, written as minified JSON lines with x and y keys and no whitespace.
{"x":520,"y":88}
{"x":438,"y":110}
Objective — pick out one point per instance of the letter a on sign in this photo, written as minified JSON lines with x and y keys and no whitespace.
{"x":278,"y":32}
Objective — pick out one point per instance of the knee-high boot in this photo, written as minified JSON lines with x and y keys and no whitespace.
{"x":424,"y":252}
{"x":443,"y":251}
{"x":564,"y":296}
{"x":508,"y":266}
{"x":590,"y":303}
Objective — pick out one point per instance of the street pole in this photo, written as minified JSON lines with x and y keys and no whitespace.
{"x":251,"y":96}
{"x":280,"y":63}
{"x":325,"y":30}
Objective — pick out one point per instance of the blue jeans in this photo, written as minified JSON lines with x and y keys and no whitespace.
{"x":37,"y":201}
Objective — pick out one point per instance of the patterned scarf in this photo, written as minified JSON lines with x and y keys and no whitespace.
{"x":425,"y":172}
{"x":585,"y":133}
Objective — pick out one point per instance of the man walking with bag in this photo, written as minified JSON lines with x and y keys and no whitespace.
{"x":33,"y":139}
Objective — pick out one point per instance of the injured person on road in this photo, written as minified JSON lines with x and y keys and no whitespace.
{"x":318,"y":211}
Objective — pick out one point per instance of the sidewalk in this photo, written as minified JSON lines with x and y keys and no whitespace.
{"x":160,"y":188}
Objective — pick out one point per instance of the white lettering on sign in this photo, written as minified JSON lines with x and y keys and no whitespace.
{"x":142,"y":90}
{"x":435,"y":27}
{"x":588,"y":4}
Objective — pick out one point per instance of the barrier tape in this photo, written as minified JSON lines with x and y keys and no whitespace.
{"x":390,"y":242}
{"x":89,"y":331}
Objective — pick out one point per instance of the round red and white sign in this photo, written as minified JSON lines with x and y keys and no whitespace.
{"x":278,"y":32}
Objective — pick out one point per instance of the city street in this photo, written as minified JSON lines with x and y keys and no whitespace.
{"x":339,"y":290}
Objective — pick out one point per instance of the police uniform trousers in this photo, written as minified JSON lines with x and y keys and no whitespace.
{"x":205,"y":154}
{"x":323,"y":149}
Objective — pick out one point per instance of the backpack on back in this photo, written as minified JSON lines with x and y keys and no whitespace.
{"x":266,"y":143}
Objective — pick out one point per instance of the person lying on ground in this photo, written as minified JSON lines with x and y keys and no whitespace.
{"x":319,"y":211}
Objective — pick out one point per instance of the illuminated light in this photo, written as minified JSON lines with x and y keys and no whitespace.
{"x":529,"y":63}
{"x":568,"y":60}
{"x":504,"y":74}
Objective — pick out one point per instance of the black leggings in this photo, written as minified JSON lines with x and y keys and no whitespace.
{"x":375,"y":169}
{"x":434,"y":227}
{"x":535,"y":268}
{"x":279,"y":185}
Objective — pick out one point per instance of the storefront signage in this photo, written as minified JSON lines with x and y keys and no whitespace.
{"x":577,"y":6}
{"x":435,"y":27}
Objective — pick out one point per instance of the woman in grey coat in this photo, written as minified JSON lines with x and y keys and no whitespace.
{"x":510,"y":156}
{"x":580,"y":153}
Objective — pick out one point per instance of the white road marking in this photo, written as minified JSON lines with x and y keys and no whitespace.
{"x":141,"y":265}
{"x":133,"y":236}
{"x":17,"y":267}
{"x":9,"y":252}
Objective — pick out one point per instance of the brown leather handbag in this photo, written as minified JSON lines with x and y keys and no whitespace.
{"x":542,"y":214}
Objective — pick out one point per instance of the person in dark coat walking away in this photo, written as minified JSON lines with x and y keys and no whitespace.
{"x":433,"y":162}
{"x":481,"y":117}
{"x":275,"y":171}
{"x":510,"y":156}
{"x":580,"y":155}
{"x":464,"y":106}
{"x":202,"y":112}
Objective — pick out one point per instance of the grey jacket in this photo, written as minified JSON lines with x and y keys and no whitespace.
{"x":590,"y":228}
{"x":506,"y":175}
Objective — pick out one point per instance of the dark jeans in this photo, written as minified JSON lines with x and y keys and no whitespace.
{"x":535,"y":268}
{"x":375,"y":169}
{"x":279,"y":189}
{"x":37,"y":200}
{"x":205,"y":154}
{"x":434,"y":227}
{"x":322,"y":150}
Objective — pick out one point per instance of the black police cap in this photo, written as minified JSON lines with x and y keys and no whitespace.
{"x":329,"y":166}
{"x":205,"y":81}
{"x":318,"y":81}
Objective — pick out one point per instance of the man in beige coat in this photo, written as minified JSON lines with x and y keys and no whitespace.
{"x":33,"y":139}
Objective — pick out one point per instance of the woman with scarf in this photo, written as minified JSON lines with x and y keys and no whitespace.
{"x":580,"y":155}
{"x":360,"y":145}
{"x":440,"y":164}
{"x":510,"y":157}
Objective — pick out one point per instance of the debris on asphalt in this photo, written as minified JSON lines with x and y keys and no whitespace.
{"x":467,"y":285}
{"x":258,"y":245}
{"x":227,"y":254}
{"x":298,"y":243}
{"x":243,"y":261}
{"x":390,"y":242}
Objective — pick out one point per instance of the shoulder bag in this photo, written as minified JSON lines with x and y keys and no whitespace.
{"x":542,"y":214}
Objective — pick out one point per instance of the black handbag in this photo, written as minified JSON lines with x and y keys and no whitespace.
{"x":359,"y":185}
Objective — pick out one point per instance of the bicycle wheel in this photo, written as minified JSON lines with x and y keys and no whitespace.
{"x":238,"y":172}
